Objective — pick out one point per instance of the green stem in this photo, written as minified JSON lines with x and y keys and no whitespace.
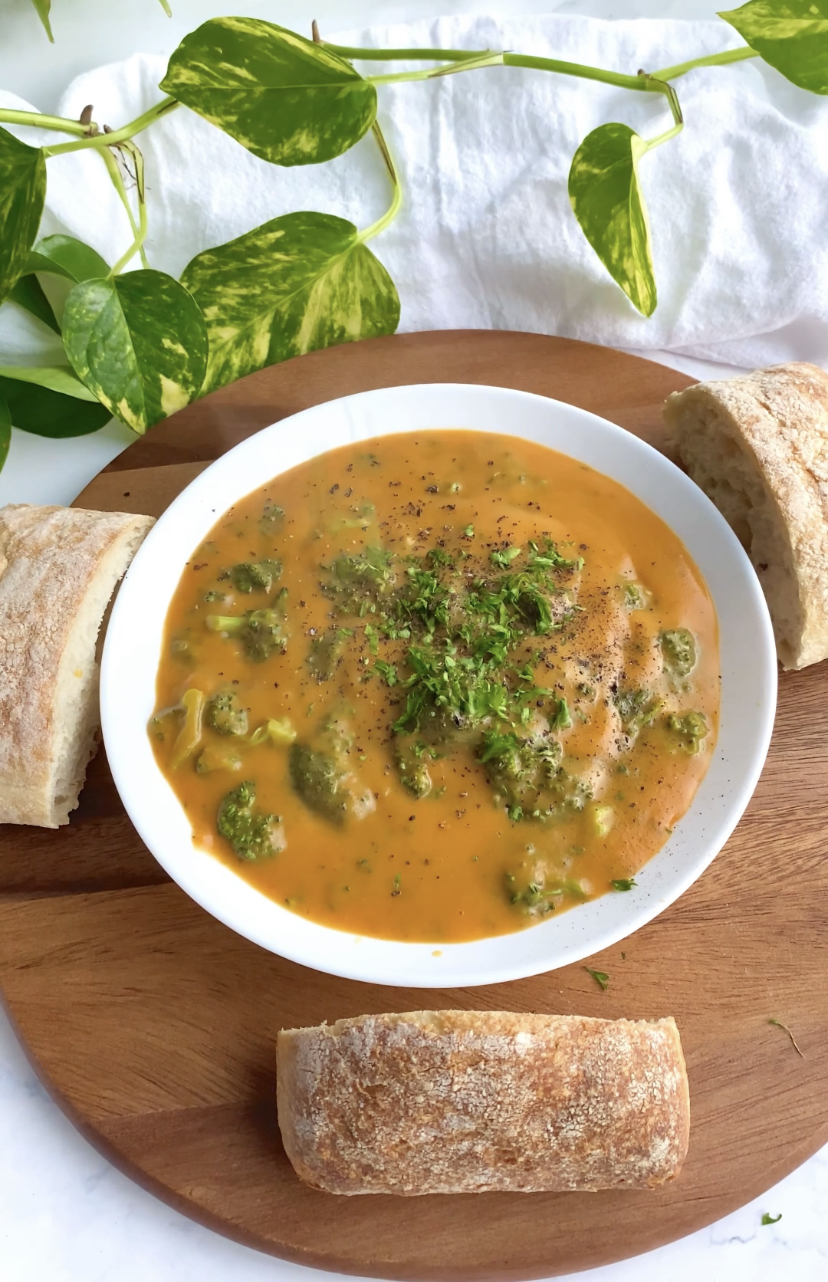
{"x":488,"y":58}
{"x":140,"y":232}
{"x":471,"y":64}
{"x":394,"y":208}
{"x":665,"y":137}
{"x":712,"y":60}
{"x":118,"y":183}
{"x":643,"y":82}
{"x":35,"y":121}
{"x":117,"y":135}
{"x":407,"y":55}
{"x":579,"y":69}
{"x":654,"y":85}
{"x":140,"y":191}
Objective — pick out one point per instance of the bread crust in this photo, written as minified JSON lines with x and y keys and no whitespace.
{"x":778,"y":419}
{"x":58,"y":568}
{"x":481,"y":1101}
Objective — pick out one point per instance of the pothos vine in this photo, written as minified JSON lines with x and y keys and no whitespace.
{"x":140,"y":345}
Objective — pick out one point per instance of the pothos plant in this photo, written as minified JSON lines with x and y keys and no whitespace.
{"x":43,"y":9}
{"x":142,"y":345}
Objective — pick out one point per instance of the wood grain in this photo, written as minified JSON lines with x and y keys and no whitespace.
{"x":154,"y":1026}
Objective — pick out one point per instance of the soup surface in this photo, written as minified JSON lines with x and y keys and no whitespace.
{"x":437,"y":686}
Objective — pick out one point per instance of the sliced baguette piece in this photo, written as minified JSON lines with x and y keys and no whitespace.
{"x":758,"y":447}
{"x":481,"y":1101}
{"x":58,"y":569}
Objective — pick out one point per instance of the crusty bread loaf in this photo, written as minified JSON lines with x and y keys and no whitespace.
{"x":58,"y":569}
{"x":758,"y":447}
{"x":480,"y":1101}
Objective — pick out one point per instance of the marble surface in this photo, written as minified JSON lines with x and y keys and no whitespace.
{"x":66,"y":1215}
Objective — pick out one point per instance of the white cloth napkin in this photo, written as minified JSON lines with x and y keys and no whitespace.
{"x":486,"y":237}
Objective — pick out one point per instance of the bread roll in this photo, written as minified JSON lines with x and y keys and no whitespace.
{"x":758,"y":447}
{"x":481,"y":1101}
{"x":58,"y":569}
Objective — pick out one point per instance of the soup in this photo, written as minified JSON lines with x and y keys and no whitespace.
{"x":437,"y":686}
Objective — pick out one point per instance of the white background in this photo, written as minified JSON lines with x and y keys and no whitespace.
{"x":65,"y":1214}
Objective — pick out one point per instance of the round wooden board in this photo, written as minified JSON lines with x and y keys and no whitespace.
{"x":154,"y":1026}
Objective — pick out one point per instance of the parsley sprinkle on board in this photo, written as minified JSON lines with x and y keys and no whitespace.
{"x":600,"y":976}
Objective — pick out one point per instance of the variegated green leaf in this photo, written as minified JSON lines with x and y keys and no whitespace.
{"x":5,"y":432}
{"x":66,"y":256}
{"x":60,"y":378}
{"x":48,"y":413}
{"x":608,"y":203}
{"x":138,"y":342}
{"x":62,"y":256}
{"x":791,"y":35}
{"x":22,"y":193}
{"x":43,"y":8}
{"x":28,"y":294}
{"x":284,"y":98}
{"x":295,"y":284}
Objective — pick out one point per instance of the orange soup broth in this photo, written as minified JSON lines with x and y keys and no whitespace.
{"x":437,"y":868}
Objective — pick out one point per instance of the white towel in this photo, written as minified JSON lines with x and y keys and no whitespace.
{"x":486,"y":237}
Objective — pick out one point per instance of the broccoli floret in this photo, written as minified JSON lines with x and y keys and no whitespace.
{"x":637,"y":709}
{"x":540,"y":896}
{"x":326,"y":651}
{"x":635,"y":596}
{"x":318,"y":780}
{"x":322,"y":777}
{"x":411,"y":759}
{"x":255,"y":576}
{"x":251,"y":834}
{"x":678,"y":652}
{"x":526,"y":774}
{"x":272,"y":517}
{"x":691,"y":729}
{"x":261,"y":632}
{"x":361,"y":579}
{"x":226,"y":715}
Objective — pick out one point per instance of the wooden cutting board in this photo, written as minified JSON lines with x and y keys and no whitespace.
{"x":153,"y":1025}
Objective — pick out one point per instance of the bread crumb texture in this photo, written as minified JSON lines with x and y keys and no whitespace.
{"x":58,"y":569}
{"x":470,"y":1102}
{"x":758,"y":447}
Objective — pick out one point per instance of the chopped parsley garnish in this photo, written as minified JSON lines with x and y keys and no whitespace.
{"x":467,"y":625}
{"x":387,"y":671}
{"x":600,"y":976}
{"x":505,"y":558}
{"x":771,"y":1219}
{"x":623,"y":883}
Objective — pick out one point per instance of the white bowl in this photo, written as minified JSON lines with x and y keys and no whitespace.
{"x":748,"y":699}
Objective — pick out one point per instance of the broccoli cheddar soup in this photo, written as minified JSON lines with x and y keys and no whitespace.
{"x":437,"y":686}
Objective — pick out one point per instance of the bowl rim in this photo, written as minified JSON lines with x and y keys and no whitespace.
{"x":147,"y":796}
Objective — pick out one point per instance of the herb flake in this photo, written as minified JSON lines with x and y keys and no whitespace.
{"x":600,"y":976}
